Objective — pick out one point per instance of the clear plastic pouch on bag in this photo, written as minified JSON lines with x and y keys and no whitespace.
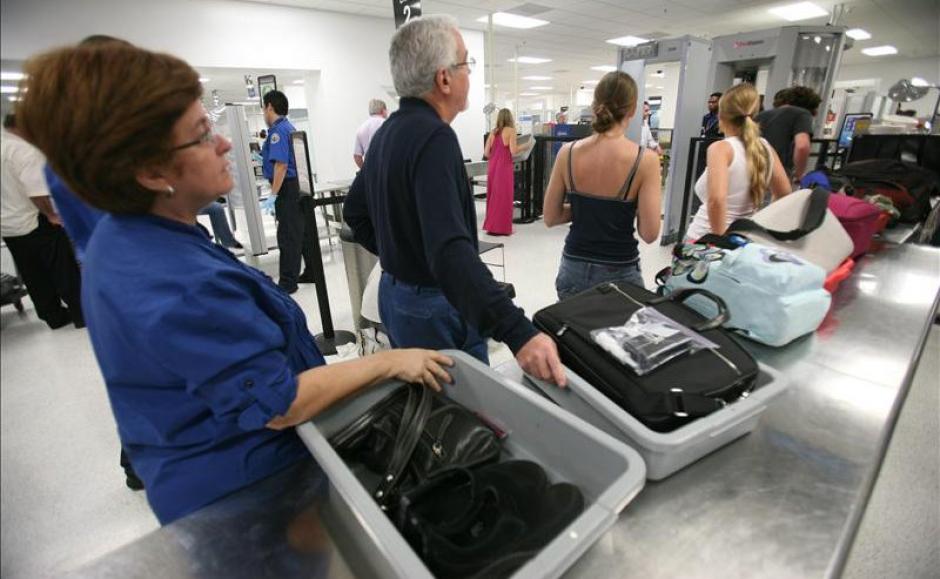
{"x":648,"y":340}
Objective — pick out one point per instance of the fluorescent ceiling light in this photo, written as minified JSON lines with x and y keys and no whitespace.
{"x":528,"y":94}
{"x":880,"y":50}
{"x":918,"y":81}
{"x":531,"y":60}
{"x":513,"y":20}
{"x":203,"y":79}
{"x":8,"y":89}
{"x":13,"y":98}
{"x":540,"y":88}
{"x":590,"y":81}
{"x":648,"y":85}
{"x":536,"y":78}
{"x":628,"y":40}
{"x":298,"y":81}
{"x":12,"y":76}
{"x":798,"y":11}
{"x":604,"y":68}
{"x":858,"y":34}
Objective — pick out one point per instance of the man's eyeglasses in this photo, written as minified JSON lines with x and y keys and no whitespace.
{"x":204,"y":139}
{"x":469,"y":63}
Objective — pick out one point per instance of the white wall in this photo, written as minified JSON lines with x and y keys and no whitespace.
{"x":887,"y":72}
{"x":346,"y":54}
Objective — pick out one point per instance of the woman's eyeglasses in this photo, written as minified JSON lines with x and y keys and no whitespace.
{"x":204,"y":139}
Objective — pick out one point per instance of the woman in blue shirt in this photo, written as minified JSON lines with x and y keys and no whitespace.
{"x":207,"y":363}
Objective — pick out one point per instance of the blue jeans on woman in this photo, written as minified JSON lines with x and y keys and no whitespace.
{"x":421,"y":317}
{"x":220,"y":227}
{"x":575,"y":276}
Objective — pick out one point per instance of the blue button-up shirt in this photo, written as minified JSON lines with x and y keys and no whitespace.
{"x":277,"y":149}
{"x":198,"y":352}
{"x":78,"y":217}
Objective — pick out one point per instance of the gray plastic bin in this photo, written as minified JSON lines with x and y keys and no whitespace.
{"x":664,"y":452}
{"x":609,"y":473}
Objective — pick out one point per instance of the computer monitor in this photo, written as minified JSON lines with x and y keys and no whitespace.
{"x":851,"y":124}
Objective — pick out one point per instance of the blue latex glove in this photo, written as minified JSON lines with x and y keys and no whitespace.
{"x":267,"y":205}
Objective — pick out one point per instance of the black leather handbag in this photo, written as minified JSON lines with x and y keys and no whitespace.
{"x":412,"y":434}
{"x":485,"y":522}
{"x":683,"y":389}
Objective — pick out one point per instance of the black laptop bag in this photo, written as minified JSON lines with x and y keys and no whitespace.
{"x":685,"y":388}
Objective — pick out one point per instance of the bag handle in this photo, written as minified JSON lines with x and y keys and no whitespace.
{"x":683,"y":294}
{"x":413,"y":420}
{"x":814,"y":217}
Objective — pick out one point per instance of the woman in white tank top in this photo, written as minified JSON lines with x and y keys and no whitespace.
{"x":740,"y":169}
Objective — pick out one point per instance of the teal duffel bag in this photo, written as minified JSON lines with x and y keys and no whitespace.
{"x":773,"y":296}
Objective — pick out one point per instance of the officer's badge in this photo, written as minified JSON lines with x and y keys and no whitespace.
{"x":275,"y":139}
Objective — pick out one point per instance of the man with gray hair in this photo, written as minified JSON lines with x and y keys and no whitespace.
{"x":377,"y":115}
{"x":412,"y":205}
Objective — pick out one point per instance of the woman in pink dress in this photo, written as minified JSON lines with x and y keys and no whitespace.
{"x":500,"y":148}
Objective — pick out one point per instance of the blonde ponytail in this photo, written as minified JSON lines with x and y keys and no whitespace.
{"x":757,"y":162}
{"x":735,"y":109}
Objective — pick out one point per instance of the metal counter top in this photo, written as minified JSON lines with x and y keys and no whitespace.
{"x":784,"y":501}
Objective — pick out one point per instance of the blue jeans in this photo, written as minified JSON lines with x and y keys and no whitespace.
{"x":576,"y":276}
{"x":220,"y":228}
{"x":421,"y":317}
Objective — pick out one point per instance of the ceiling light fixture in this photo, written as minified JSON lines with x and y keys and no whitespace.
{"x":918,"y":81}
{"x":880,"y":50}
{"x":8,"y":89}
{"x":298,"y":81}
{"x":540,"y":88}
{"x":13,"y":98}
{"x":590,"y":81}
{"x":628,"y":40}
{"x":12,"y":76}
{"x":528,"y":94}
{"x":604,"y":68}
{"x":531,"y":60}
{"x":513,"y":21}
{"x":203,"y":79}
{"x":798,"y":11}
{"x":857,"y":34}
{"x":536,"y":77}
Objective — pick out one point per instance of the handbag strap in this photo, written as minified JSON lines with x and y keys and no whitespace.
{"x":812,"y":219}
{"x":413,"y":420}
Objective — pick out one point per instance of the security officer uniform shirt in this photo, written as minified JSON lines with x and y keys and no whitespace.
{"x":277,"y":149}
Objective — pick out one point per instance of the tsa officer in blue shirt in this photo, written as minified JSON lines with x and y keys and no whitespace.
{"x":280,"y":168}
{"x":207,"y":363}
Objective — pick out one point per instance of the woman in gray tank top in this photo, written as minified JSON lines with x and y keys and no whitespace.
{"x":602,"y":185}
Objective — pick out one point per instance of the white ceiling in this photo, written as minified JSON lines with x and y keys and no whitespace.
{"x":230,"y":82}
{"x":575,"y":39}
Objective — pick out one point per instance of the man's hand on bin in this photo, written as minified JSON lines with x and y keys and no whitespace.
{"x":539,"y":357}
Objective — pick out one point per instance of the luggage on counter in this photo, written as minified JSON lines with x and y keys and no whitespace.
{"x":465,"y":514}
{"x":685,"y":388}
{"x":908,"y":185}
{"x":772,"y":296}
{"x":860,"y":219}
{"x":802,"y":224}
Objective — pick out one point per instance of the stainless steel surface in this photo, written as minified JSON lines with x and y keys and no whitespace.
{"x":270,"y":529}
{"x":784,"y":501}
{"x":900,"y":233}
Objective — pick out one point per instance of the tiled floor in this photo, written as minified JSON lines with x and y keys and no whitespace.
{"x":63,"y":496}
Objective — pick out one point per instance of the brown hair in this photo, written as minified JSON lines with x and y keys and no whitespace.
{"x":614,"y":98}
{"x":504,"y":119}
{"x":735,"y":109}
{"x":102,"y":111}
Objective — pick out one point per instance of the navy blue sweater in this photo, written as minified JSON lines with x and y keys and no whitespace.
{"x":412,"y":205}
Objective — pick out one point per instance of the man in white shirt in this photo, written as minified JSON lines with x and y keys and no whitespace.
{"x":34,"y":235}
{"x":646,"y":135}
{"x":378,"y":112}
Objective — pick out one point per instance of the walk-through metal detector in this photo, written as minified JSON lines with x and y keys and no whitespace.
{"x":778,"y":58}
{"x":693,"y":55}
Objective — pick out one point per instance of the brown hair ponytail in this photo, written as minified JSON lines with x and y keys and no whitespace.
{"x":614,"y":98}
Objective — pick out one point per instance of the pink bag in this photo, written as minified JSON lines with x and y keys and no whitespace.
{"x":859,"y":218}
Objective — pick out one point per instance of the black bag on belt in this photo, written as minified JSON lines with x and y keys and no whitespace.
{"x":683,"y":389}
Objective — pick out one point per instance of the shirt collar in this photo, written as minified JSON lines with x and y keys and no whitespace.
{"x":416,"y":104}
{"x":172,"y":224}
{"x":279,"y":121}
